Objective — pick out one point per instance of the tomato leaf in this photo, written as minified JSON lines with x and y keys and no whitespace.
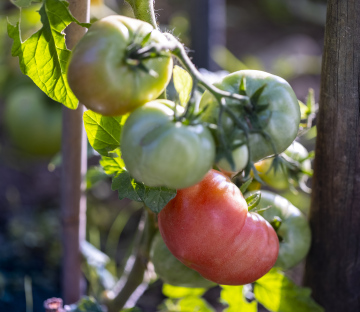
{"x":242,"y":87}
{"x":253,"y":200}
{"x":181,"y":292}
{"x":278,"y":293}
{"x":113,"y":165}
{"x":103,"y":132}
{"x":155,"y":198}
{"x":183,"y":84}
{"x":233,"y":296}
{"x":44,"y":56}
{"x":245,"y":185}
{"x":125,"y":185}
{"x":187,"y":304}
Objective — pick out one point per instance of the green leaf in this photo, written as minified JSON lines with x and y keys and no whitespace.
{"x":242,"y":87}
{"x":245,"y":185}
{"x":86,"y":304}
{"x":155,"y":198}
{"x":183,"y":84}
{"x":304,"y":111}
{"x":113,"y":164}
{"x":181,"y":292}
{"x":187,"y":304}
{"x":253,"y":200}
{"x":125,"y":185}
{"x":310,"y":101}
{"x":103,"y":132}
{"x":278,"y":293}
{"x":44,"y":56}
{"x":234,"y":297}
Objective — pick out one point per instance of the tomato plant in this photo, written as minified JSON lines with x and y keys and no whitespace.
{"x":33,"y":121}
{"x":209,"y":229}
{"x":294,"y":231}
{"x":105,"y":73}
{"x":171,"y":270}
{"x":282,"y":176}
{"x":159,"y":151}
{"x":272,"y":122}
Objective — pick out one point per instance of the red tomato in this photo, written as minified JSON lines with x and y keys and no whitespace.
{"x":208,"y":228}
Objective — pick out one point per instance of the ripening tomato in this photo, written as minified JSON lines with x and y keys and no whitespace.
{"x":209,"y":229}
{"x":104,"y":75}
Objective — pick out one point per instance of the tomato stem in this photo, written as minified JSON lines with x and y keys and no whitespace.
{"x":144,"y":10}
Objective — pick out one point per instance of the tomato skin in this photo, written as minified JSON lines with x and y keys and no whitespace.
{"x":160,"y":152}
{"x":279,"y":179}
{"x":283,"y":112}
{"x":294,"y":229}
{"x":209,"y":229}
{"x":33,"y":121}
{"x":240,"y":156}
{"x":171,"y":270}
{"x":99,"y":75}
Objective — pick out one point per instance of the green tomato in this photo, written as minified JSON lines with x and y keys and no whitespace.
{"x":279,"y":120}
{"x":299,"y":199}
{"x":171,"y":270}
{"x":102,"y":73}
{"x":161,"y":152}
{"x":294,"y":231}
{"x":279,"y":179}
{"x":33,"y":121}
{"x":240,"y":156}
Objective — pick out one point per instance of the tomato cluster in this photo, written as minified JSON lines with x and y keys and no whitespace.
{"x":121,"y":66}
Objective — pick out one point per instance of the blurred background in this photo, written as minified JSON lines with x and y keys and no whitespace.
{"x":283,"y":37}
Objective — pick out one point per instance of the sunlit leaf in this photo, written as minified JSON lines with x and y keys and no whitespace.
{"x":278,"y":293}
{"x":180,"y":292}
{"x":44,"y":56}
{"x":183,"y":84}
{"x":103,"y":132}
{"x":233,"y":296}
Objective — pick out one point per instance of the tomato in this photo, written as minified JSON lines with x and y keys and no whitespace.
{"x":103,"y":75}
{"x":209,"y":229}
{"x":161,"y":152}
{"x":279,"y":120}
{"x":33,"y":121}
{"x":171,"y":270}
{"x":240,"y":156}
{"x":294,"y":231}
{"x":280,"y":179}
{"x":299,"y":199}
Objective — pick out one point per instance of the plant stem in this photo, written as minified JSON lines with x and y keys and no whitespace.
{"x":179,"y":51}
{"x":144,"y":10}
{"x":136,"y":266}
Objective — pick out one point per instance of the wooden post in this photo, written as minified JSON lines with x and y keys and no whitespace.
{"x":208,"y":29}
{"x":74,"y":165}
{"x":333,"y":264}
